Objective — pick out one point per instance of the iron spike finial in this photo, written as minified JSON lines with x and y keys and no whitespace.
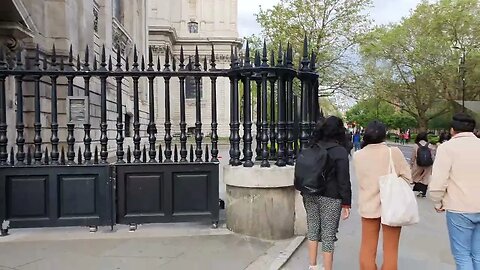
{"x":205,"y":64}
{"x":212,"y":64}
{"x":37,"y":58}
{"x":62,"y":65}
{"x":143,"y":63}
{"x":119,"y":58}
{"x":159,"y":66}
{"x":289,"y":58}
{"x":150,"y":58}
{"x":197,"y":59}
{"x":231,"y":57}
{"x":3,"y":63}
{"x":70,"y":56}
{"x":272,"y":57}
{"x":305,"y":46}
{"x":236,"y":63}
{"x":167,"y":60}
{"x":257,"y":59}
{"x":79,"y":65}
{"x":79,"y":155}
{"x":182,"y":59}
{"x":127,"y":63}
{"x":94,"y":62}
{"x":103,"y":59}
{"x":264,"y":54}
{"x":54,"y":56}
{"x":189,"y":63}
{"x":86,"y":60}
{"x":313,"y":61}
{"x":135,"y":57}
{"x":18,"y":58}
{"x":110,"y":64}
{"x":174,"y":64}
{"x":247,"y":55}
{"x":280,"y":56}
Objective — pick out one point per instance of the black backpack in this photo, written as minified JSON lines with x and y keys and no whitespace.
{"x":424,"y":156}
{"x":310,"y":169}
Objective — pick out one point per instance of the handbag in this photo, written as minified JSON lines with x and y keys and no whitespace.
{"x":398,"y":202}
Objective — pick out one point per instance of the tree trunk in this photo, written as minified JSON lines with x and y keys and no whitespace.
{"x":422,"y":123}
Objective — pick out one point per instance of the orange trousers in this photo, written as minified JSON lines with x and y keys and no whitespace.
{"x":368,"y":249}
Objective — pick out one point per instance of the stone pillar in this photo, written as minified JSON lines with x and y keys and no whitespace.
{"x":260,"y":202}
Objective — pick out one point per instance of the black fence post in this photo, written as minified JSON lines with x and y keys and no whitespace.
{"x":183,"y":123}
{"x":214,"y":110}
{"x":264,"y":90}
{"x":54,"y":155}
{"x":70,"y":124}
{"x":136,"y":114}
{"x":247,"y":113}
{"x":168,"y":123}
{"x":120,"y":153}
{"x":258,"y":124}
{"x":305,"y":123}
{"x":87,"y":140}
{"x":198,"y":111}
{"x":152,"y":129}
{"x":234,"y":121}
{"x":103,"y":110}
{"x":273,"y":135}
{"x":3,"y":112}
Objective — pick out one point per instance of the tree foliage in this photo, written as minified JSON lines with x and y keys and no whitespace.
{"x":333,"y":27}
{"x":368,"y":110}
{"x":413,"y":66}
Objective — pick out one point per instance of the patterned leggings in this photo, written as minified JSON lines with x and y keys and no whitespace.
{"x":323,"y":218}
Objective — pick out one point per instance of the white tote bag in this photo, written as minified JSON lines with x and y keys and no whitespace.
{"x":398,"y":202}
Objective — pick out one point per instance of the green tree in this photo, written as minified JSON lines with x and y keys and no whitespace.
{"x":412,"y":65}
{"x":333,"y":27}
{"x":371,"y":109}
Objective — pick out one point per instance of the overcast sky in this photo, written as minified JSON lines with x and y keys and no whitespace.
{"x":384,"y":11}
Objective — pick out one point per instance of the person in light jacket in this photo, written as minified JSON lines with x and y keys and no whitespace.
{"x":371,"y":163}
{"x":421,"y":175}
{"x":455,"y":188}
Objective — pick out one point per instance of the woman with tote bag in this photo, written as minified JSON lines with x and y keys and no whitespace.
{"x":374,"y":164}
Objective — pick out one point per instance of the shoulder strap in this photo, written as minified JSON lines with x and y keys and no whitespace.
{"x":391,"y":164}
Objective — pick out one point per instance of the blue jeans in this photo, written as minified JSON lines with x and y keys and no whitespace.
{"x":464,"y":232}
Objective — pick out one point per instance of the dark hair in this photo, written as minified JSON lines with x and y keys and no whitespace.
{"x":330,"y":129}
{"x":376,"y":132}
{"x":444,"y":137}
{"x":422,"y":136}
{"x":463,"y":122}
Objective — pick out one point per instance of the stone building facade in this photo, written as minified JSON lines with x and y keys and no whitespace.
{"x":188,"y":24}
{"x":24,"y":24}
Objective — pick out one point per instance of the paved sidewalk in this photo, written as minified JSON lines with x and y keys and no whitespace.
{"x":167,"y":246}
{"x":423,"y":246}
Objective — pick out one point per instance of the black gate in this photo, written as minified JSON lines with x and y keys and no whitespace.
{"x":152,"y":179}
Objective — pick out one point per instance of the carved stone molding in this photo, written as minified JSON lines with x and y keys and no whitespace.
{"x":120,"y":38}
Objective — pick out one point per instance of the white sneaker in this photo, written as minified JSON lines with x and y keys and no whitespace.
{"x":315,"y":267}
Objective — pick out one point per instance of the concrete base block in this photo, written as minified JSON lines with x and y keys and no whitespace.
{"x":300,"y":215}
{"x":260,"y":202}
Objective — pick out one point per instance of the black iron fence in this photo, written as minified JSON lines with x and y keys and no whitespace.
{"x":169,"y":175}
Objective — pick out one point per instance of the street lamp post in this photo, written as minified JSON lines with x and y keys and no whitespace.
{"x":462,"y":71}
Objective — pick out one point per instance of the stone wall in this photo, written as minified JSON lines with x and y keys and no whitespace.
{"x":80,"y":23}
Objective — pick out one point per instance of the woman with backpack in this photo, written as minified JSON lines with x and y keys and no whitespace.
{"x":422,"y":163}
{"x":371,"y":163}
{"x":323,"y":178}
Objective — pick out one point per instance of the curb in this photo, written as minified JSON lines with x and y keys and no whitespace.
{"x":285,"y":254}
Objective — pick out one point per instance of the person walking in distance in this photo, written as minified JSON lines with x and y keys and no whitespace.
{"x":455,"y":188}
{"x":421,"y":162}
{"x":370,"y":164}
{"x":322,"y":176}
{"x":357,"y":138}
